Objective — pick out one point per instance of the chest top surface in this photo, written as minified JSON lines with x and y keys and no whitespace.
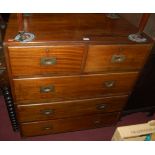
{"x":49,"y":28}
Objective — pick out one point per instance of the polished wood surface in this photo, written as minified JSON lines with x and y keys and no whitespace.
{"x":72,"y":87}
{"x":68,"y":59}
{"x":54,"y":110}
{"x":72,"y":28}
{"x":68,"y":124}
{"x":100,"y":57}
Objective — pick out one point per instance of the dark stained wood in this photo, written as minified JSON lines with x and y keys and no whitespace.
{"x":54,"y":110}
{"x":3,"y":71}
{"x":3,"y":78}
{"x":72,"y":87}
{"x":10,"y":107}
{"x":20,"y":22}
{"x":27,"y":60}
{"x":100,"y":57}
{"x":69,"y":124}
{"x":143,"y":22}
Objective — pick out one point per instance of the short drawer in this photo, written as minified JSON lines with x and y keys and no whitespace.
{"x":68,"y":124}
{"x":45,"y":111}
{"x":72,"y":87}
{"x":36,"y":60}
{"x":103,"y":58}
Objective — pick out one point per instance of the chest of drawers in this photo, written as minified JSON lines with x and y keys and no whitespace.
{"x":76,"y":74}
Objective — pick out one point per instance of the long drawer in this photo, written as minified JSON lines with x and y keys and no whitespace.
{"x":39,"y":60}
{"x":69,"y":124}
{"x":45,"y":111}
{"x":106,"y":58}
{"x":72,"y":87}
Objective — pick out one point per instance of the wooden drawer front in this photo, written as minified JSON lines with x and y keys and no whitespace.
{"x":68,"y":124}
{"x":72,"y":87}
{"x":45,"y":111}
{"x":103,"y":58}
{"x":45,"y":60}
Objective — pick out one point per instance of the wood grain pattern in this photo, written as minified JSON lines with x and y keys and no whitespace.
{"x":72,"y":87}
{"x":69,"y":124}
{"x":99,"y":57}
{"x":78,"y":75}
{"x":27,"y":60}
{"x":71,"y":28}
{"x":55,"y":110}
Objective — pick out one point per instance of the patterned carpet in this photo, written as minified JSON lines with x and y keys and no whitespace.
{"x":100,"y":134}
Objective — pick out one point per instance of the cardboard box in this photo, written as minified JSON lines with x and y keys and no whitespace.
{"x":138,"y":132}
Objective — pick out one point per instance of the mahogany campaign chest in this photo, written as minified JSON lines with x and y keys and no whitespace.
{"x":76,"y":74}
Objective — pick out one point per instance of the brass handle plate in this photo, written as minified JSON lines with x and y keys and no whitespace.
{"x":109,"y":84}
{"x":47,"y":112}
{"x":101,"y":107}
{"x":118,"y":58}
{"x":2,"y":71}
{"x":48,"y":61}
{"x":47,"y":89}
{"x":47,"y":128}
{"x":97,"y":123}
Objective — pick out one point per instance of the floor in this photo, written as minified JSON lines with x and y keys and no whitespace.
{"x":100,"y":134}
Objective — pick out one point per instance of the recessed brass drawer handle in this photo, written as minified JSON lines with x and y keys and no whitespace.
{"x":47,"y":128}
{"x":101,"y":107}
{"x":109,"y":84}
{"x":97,"y":123}
{"x":118,"y":58}
{"x":2,"y":71}
{"x":47,"y":112}
{"x":47,"y":89}
{"x":48,"y":61}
